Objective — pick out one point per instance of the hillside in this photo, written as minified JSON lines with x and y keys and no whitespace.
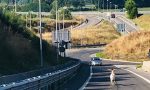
{"x":19,"y":48}
{"x":133,"y":47}
{"x":101,"y":33}
{"x":143,"y":22}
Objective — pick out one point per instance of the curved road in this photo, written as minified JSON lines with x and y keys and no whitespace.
{"x":100,"y":75}
{"x":92,"y":20}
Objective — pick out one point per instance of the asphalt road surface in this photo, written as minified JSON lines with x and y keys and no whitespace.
{"x":129,"y":27}
{"x":100,"y":75}
{"x":92,"y":20}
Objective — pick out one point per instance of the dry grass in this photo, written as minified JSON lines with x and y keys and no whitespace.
{"x":98,"y":34}
{"x":144,"y":22}
{"x":51,"y":22}
{"x":134,"y":46}
{"x":47,"y":36}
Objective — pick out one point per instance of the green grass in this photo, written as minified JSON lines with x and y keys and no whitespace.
{"x":144,"y":9}
{"x":139,"y":66}
{"x":101,"y":55}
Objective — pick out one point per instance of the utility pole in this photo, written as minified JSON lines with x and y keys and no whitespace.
{"x":26,"y":20}
{"x":41,"y":47}
{"x":107,"y":5}
{"x":98,"y":5}
{"x":30,"y":20}
{"x":63,"y":19}
{"x":98,"y":9}
{"x":103,"y":5}
{"x":15,"y":7}
{"x":57,"y":47}
{"x":110,"y":6}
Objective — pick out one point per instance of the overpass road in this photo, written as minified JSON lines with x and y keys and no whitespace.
{"x":97,"y":78}
{"x":92,"y":20}
{"x":129,"y":25}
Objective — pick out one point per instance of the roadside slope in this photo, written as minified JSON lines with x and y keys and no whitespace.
{"x":134,"y":46}
{"x":20,"y":48}
{"x":102,"y":33}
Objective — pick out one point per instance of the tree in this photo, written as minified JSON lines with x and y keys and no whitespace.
{"x":67,"y":14}
{"x":131,"y":8}
{"x":34,"y":7}
{"x":75,"y":4}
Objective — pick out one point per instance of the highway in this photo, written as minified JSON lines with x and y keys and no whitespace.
{"x":99,"y":79}
{"x":129,"y":26}
{"x":92,"y":20}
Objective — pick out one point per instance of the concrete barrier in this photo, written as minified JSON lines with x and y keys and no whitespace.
{"x":146,"y":66}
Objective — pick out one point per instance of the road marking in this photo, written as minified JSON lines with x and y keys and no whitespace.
{"x":129,"y":23}
{"x":147,"y":80}
{"x":87,"y":81}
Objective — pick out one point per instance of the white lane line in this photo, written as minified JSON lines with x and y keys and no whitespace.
{"x":87,"y":81}
{"x":130,"y":24}
{"x":147,"y":80}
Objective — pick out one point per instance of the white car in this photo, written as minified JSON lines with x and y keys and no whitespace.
{"x":95,"y":61}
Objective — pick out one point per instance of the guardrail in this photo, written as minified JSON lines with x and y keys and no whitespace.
{"x":129,"y":22}
{"x":41,"y":82}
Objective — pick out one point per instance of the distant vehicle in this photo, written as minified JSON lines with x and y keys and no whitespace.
{"x":95,"y":61}
{"x":113,"y":15}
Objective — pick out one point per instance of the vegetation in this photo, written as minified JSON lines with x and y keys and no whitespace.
{"x":50,"y":25}
{"x":133,"y":47}
{"x":143,"y":22}
{"x":101,"y":55}
{"x":19,"y":50}
{"x":138,"y":66}
{"x":47,"y":4}
{"x":144,"y":9}
{"x":131,"y":8}
{"x":62,"y":12}
{"x":34,"y":7}
{"x":93,"y":35}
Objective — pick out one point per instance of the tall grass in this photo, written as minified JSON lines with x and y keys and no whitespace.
{"x":134,"y":47}
{"x":20,"y":48}
{"x":98,"y":34}
{"x":144,"y":22}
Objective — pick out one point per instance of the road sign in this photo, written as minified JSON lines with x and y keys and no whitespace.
{"x":62,"y":35}
{"x":121,"y":27}
{"x":62,"y":38}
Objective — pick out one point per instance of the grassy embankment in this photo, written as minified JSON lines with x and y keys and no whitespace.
{"x":50,"y":25}
{"x":102,"y":33}
{"x":133,"y":46}
{"x":20,"y":48}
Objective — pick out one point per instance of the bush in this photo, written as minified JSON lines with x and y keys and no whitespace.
{"x":131,"y":8}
